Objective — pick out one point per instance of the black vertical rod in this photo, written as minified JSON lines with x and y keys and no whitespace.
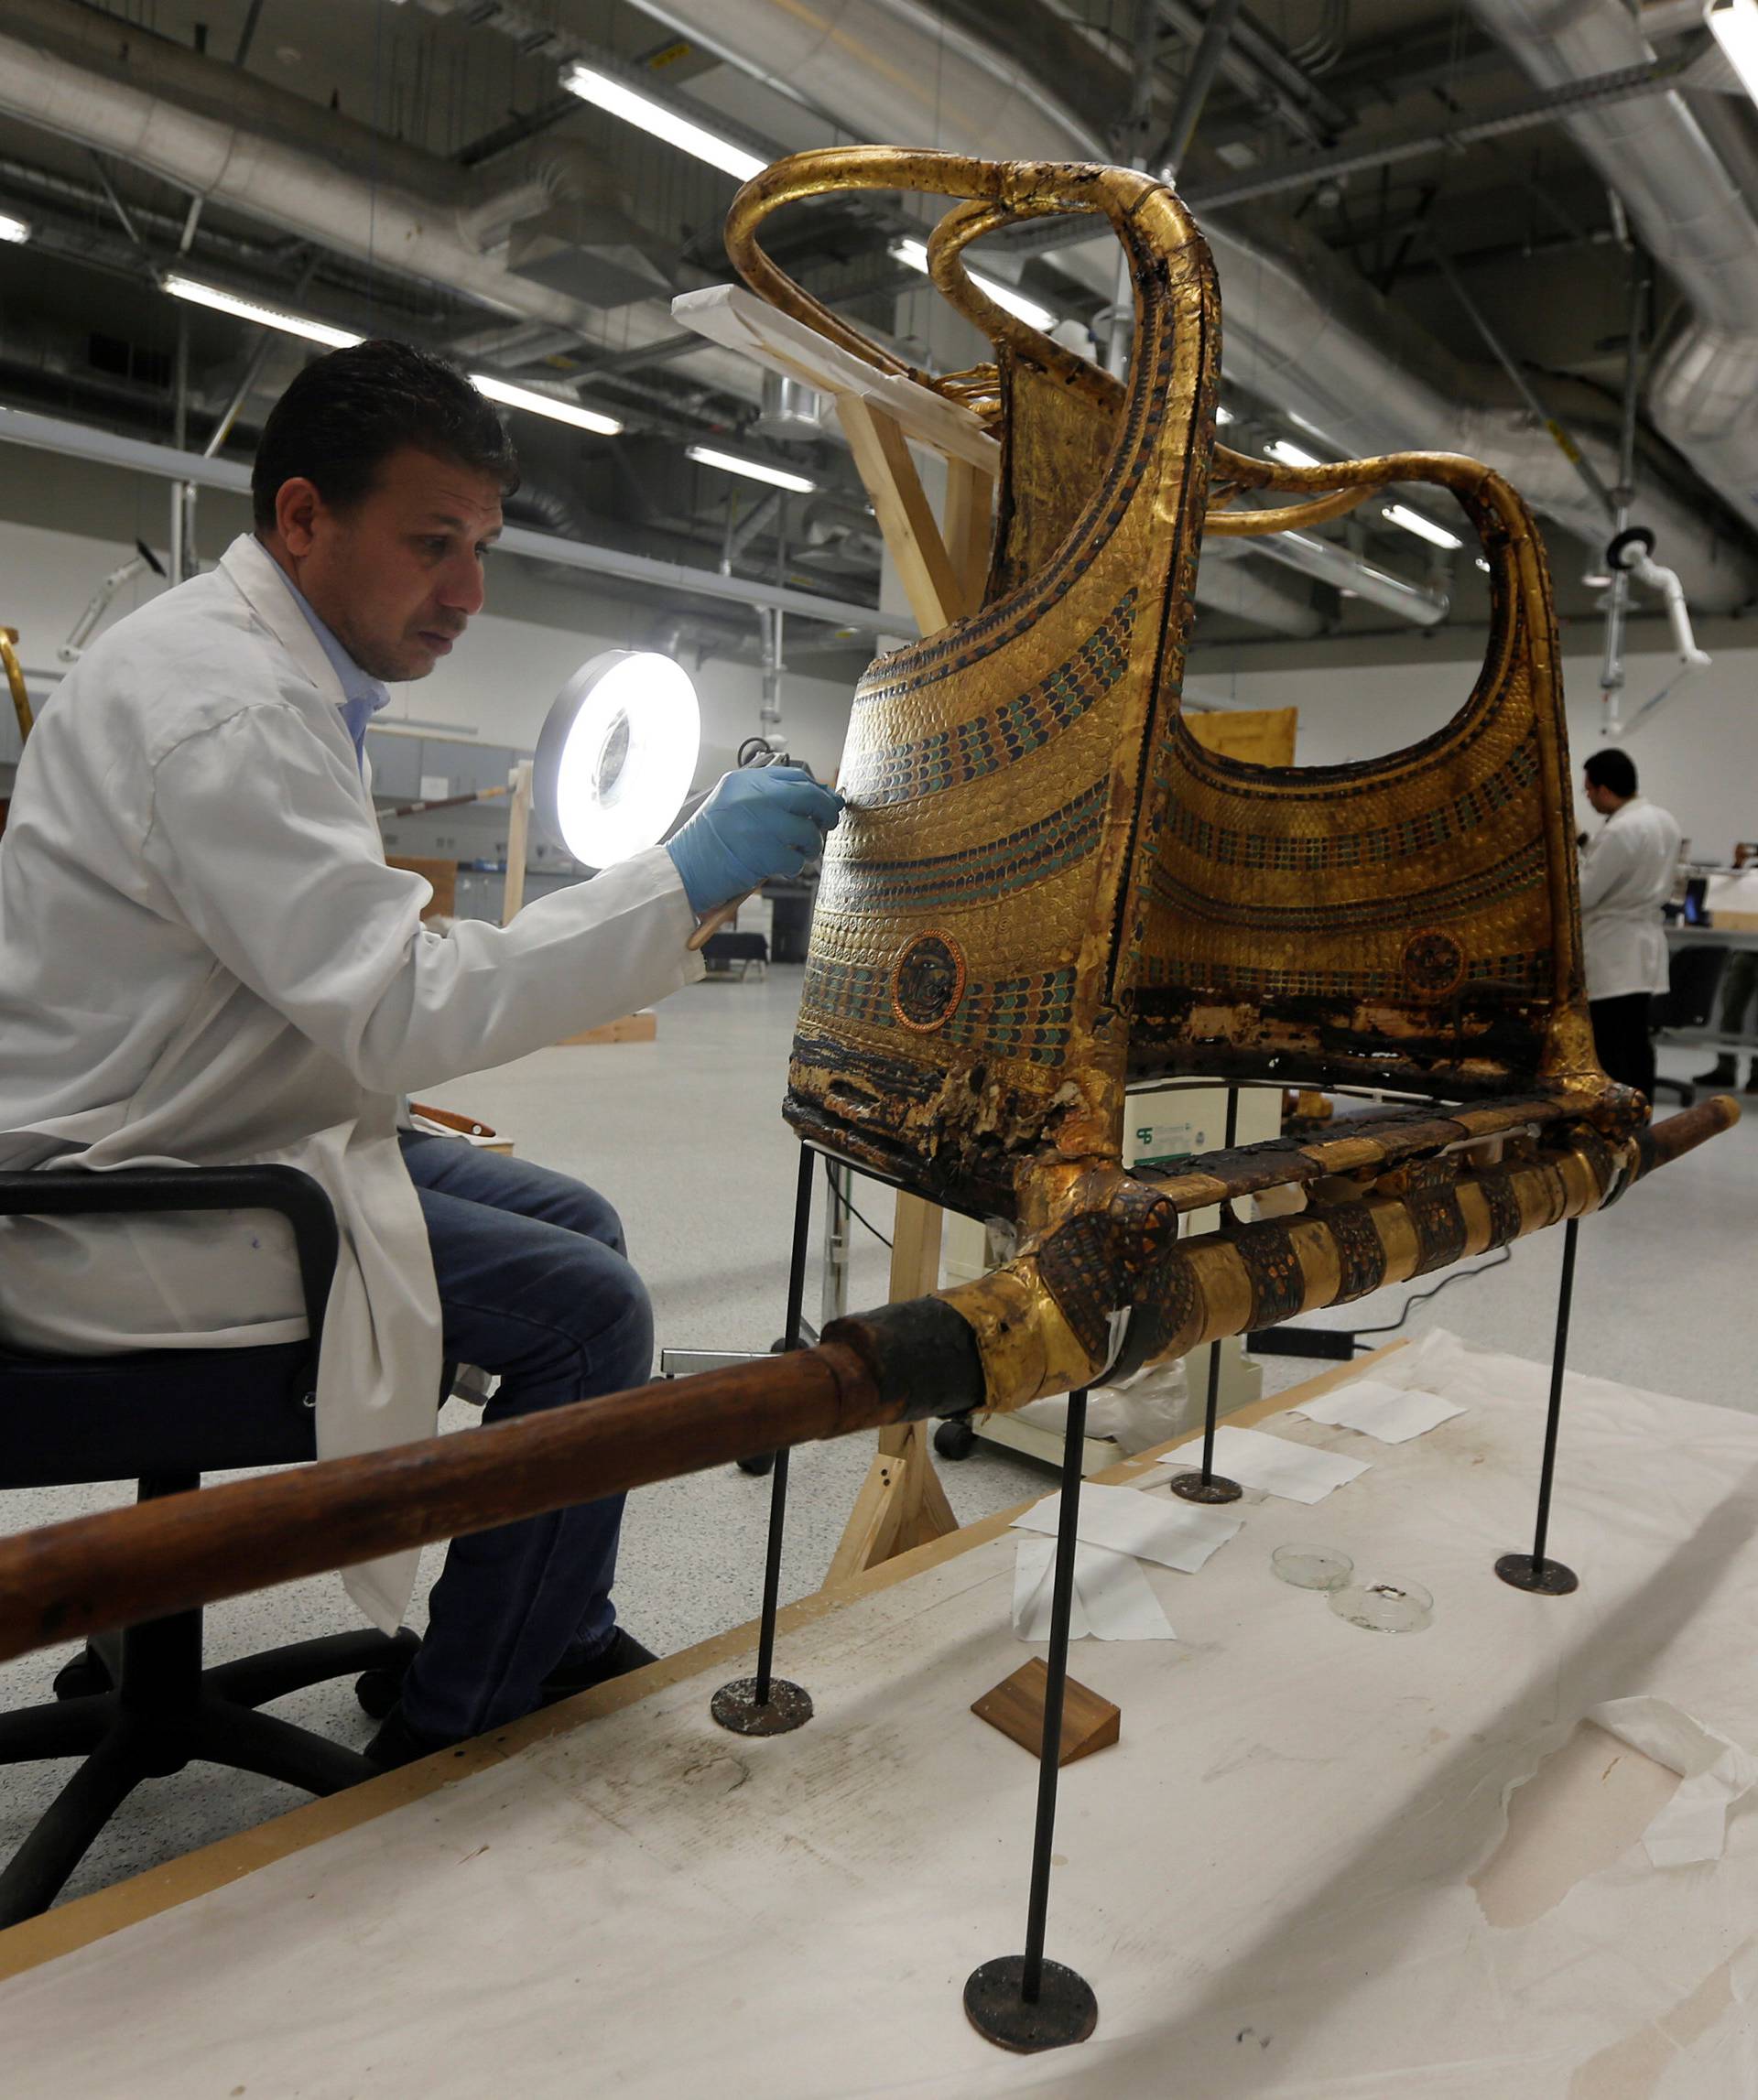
{"x":778,"y":1479}
{"x":1212,"y":1411}
{"x":1565,"y":1293}
{"x":1055,"y":1664}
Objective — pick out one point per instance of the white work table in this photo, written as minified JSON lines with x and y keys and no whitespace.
{"x":1268,"y":1882}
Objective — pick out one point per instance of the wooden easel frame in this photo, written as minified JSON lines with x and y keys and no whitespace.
{"x":941,"y":563}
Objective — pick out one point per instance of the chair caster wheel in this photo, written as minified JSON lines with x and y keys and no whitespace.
{"x":758,"y":1464}
{"x":955,"y":1439}
{"x":82,"y":1677}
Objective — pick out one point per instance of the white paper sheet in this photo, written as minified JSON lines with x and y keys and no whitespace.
{"x":1693,"y":1827}
{"x":1392,"y":1414}
{"x":1114,"y":1599}
{"x":1153,"y":1527}
{"x":1272,"y":1463}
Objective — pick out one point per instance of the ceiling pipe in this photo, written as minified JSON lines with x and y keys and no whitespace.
{"x":1702,"y":391}
{"x":164,"y":462}
{"x":1233,"y":586}
{"x":1302,"y":330}
{"x":311,"y":172}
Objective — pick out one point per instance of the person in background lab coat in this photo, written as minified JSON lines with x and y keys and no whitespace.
{"x":204,"y":959}
{"x":1628,"y":870}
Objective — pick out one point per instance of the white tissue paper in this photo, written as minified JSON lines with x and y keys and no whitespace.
{"x":1272,"y":1463}
{"x":1176,"y":1534}
{"x":1392,"y":1414}
{"x":1112,"y":1598}
{"x":1693,"y":1827}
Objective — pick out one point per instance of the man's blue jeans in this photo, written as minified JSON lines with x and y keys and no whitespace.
{"x":533,"y":1284}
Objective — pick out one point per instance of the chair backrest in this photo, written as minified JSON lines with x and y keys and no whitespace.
{"x":68,"y":1419}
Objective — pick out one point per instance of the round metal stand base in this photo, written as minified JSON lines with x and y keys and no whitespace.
{"x":1216,"y":1488}
{"x":735,"y":1706}
{"x":1546,"y":1579}
{"x":1066,"y":2011}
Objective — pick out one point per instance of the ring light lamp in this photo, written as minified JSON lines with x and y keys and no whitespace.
{"x":617,"y":755}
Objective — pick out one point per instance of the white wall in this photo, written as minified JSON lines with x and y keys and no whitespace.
{"x":499,"y":682}
{"x":1697,"y":755}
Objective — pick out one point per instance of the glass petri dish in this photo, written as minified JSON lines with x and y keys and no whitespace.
{"x":1385,"y":1606}
{"x":1311,"y":1567}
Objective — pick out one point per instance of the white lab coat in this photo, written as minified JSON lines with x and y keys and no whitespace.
{"x":1628,"y":870}
{"x":204,"y":959}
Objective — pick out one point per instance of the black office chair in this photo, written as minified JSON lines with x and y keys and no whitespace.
{"x":1693,"y":979}
{"x":138,"y":1705}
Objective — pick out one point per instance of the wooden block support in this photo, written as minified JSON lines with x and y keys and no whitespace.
{"x":902,"y":1503}
{"x":1015,"y":1706}
{"x":518,"y":836}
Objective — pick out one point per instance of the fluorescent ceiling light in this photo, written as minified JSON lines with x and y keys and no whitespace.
{"x":1734,"y":25}
{"x":192,"y":289}
{"x":201,"y":295}
{"x":617,"y":754}
{"x":755,"y":469}
{"x":13,"y":228}
{"x":1223,"y":413}
{"x":1424,"y":528}
{"x":545,"y":405}
{"x":616,"y":99}
{"x":1292,"y":455}
{"x":913,"y":254}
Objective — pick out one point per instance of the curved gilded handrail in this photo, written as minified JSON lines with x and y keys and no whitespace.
{"x":16,"y":683}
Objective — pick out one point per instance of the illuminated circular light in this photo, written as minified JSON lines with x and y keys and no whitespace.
{"x":617,"y":755}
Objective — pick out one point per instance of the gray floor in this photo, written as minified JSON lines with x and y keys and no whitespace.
{"x":684,"y":1136}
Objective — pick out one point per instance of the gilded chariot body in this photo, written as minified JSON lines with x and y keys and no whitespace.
{"x":1046,"y":888}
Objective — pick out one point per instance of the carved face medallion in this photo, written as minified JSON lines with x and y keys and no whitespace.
{"x":1434,"y":963}
{"x":927,"y":983}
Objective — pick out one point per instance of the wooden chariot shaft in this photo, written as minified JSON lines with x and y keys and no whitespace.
{"x":899,"y":1363}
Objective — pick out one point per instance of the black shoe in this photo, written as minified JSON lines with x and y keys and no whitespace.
{"x":1751,"y":1085}
{"x":579,"y":1672}
{"x":398,"y":1743}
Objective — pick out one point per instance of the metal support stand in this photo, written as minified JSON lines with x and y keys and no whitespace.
{"x":1531,"y":1571}
{"x":766,"y":1704}
{"x":1021,"y":2001}
{"x":1209,"y":1486}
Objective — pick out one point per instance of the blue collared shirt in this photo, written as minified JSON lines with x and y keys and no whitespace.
{"x":363,"y":695}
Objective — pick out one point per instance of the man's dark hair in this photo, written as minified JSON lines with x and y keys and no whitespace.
{"x":1612,"y":769}
{"x":346,"y":414}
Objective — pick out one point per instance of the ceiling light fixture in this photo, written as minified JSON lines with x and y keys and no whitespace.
{"x":545,"y":405}
{"x":913,"y":254}
{"x":1223,"y":415}
{"x":617,"y":98}
{"x":1292,"y":455}
{"x":201,"y":295}
{"x":254,"y":310}
{"x":1734,"y":26}
{"x":13,"y":228}
{"x":753,"y":469}
{"x":1424,"y":528}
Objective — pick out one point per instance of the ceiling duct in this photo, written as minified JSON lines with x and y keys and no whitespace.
{"x":219,"y":134}
{"x":1703,"y":390}
{"x":1302,"y":330}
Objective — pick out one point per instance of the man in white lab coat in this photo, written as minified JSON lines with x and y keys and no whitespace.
{"x":204,"y":959}
{"x":1628,"y":870}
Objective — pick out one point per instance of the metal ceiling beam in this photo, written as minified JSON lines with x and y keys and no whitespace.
{"x":79,"y":441}
{"x":1550,"y":106}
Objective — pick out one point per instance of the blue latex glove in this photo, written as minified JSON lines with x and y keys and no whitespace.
{"x":763,"y":821}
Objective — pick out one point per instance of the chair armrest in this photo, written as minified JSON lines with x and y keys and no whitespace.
{"x":61,"y":1192}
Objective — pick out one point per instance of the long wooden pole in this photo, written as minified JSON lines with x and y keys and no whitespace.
{"x":64,"y":1582}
